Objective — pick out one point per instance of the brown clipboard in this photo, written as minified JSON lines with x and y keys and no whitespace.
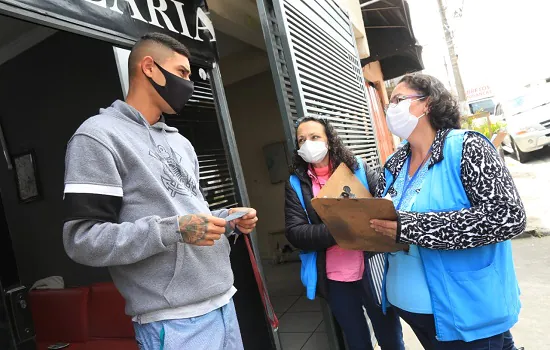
{"x":341,"y":178}
{"x":346,"y":207}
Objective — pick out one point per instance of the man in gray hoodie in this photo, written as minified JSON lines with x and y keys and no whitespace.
{"x":133,"y":204}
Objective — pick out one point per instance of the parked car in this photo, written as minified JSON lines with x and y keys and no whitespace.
{"x":527,"y":118}
{"x":486,"y":104}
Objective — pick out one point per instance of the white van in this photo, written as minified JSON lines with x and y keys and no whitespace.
{"x":527,"y":117}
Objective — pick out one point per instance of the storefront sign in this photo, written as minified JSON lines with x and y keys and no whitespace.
{"x":185,"y":20}
{"x":479,"y":92}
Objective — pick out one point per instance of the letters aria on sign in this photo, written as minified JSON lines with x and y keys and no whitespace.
{"x":202,"y":22}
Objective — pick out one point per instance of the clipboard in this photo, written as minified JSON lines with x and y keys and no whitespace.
{"x":346,"y":207}
{"x":341,"y":178}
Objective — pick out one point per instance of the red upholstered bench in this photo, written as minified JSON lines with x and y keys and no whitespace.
{"x":110,"y":327}
{"x":88,"y":318}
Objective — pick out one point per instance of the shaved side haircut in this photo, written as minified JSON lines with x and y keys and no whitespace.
{"x":157,"y":45}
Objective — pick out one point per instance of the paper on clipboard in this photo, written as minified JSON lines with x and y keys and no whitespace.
{"x":341,"y":178}
{"x":348,"y":219}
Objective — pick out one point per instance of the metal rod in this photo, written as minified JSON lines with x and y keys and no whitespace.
{"x":368,"y":3}
{"x":384,"y":27}
{"x":5,"y":149}
{"x":381,"y":8}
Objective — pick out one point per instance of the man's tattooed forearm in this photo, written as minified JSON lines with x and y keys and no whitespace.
{"x":193,"y":228}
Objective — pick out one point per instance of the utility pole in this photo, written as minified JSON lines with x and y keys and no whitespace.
{"x":452,"y":52}
{"x":447,"y":71}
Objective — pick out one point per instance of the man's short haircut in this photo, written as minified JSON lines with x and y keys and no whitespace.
{"x":157,"y":45}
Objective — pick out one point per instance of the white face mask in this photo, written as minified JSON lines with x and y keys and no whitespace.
{"x":400,"y":120}
{"x":313,"y":151}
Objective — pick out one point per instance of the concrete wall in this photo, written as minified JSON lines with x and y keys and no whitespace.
{"x":257,"y":123}
{"x":354,"y":9}
{"x":46,"y":93}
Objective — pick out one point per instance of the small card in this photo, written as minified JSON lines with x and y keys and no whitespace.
{"x":236,"y":215}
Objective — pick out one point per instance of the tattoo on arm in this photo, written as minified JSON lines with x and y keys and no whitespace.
{"x":193,"y":228}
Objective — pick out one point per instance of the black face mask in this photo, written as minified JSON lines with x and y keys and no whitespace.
{"x":176,"y":92}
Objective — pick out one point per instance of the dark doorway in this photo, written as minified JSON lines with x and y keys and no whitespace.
{"x":47,"y":90}
{"x":8,"y":269}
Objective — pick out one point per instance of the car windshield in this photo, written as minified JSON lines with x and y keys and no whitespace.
{"x":528,"y":101}
{"x":484,"y":105}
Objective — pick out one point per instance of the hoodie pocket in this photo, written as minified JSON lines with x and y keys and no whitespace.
{"x":477,"y":298}
{"x":169,"y":294}
{"x":199,"y":273}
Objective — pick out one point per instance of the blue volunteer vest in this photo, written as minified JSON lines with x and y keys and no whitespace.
{"x":474,"y":292}
{"x":308,"y":271}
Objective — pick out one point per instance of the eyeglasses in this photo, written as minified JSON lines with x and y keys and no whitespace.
{"x":394,"y":101}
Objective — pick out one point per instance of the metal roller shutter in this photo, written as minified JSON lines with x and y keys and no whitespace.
{"x":317,"y":70}
{"x":199,"y":124}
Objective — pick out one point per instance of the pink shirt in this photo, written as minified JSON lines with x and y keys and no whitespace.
{"x":342,"y":265}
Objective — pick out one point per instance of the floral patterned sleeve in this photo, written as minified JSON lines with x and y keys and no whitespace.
{"x":497,"y":213}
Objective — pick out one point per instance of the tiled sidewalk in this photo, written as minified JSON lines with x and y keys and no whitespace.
{"x":301,"y":321}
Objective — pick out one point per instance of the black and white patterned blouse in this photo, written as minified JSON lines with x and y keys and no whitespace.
{"x":496,"y":214}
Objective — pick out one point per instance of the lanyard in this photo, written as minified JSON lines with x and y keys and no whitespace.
{"x":410,"y":181}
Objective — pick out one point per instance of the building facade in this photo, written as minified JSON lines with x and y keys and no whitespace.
{"x":256,"y":67}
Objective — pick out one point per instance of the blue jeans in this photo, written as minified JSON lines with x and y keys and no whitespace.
{"x":346,"y":300}
{"x":424,"y":327}
{"x":217,"y":330}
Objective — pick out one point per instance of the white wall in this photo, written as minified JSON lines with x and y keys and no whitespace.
{"x":354,"y":9}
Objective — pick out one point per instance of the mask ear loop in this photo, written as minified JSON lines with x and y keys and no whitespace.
{"x":418,"y":99}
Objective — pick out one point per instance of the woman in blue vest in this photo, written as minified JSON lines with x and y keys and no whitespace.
{"x":338,"y":273}
{"x":457,"y":208}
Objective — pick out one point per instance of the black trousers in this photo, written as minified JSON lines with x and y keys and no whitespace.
{"x":346,"y":300}
{"x":424,"y":327}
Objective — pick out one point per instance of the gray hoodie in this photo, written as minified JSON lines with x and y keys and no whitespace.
{"x":125,"y":184}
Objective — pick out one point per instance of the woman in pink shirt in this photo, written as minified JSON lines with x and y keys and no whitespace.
{"x":340,"y":272}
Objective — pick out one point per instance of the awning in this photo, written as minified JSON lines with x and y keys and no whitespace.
{"x":391,"y":38}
